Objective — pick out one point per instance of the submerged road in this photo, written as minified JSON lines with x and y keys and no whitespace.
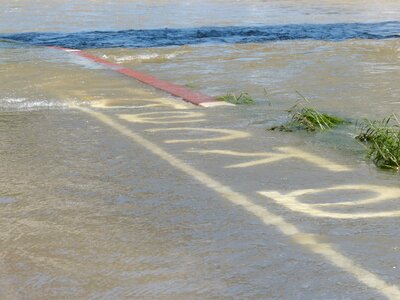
{"x":110,"y":189}
{"x":251,"y":207}
{"x":162,"y":199}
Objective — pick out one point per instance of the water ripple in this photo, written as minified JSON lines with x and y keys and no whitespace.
{"x":229,"y":34}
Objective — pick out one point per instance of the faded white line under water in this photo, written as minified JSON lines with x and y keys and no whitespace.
{"x":380,"y":194}
{"x":283,"y":153}
{"x":304,"y":239}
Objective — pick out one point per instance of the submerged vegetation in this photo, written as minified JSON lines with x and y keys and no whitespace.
{"x":310,"y":119}
{"x":382,"y":139}
{"x":305,"y":117}
{"x":243,"y":98}
{"x":191,"y":85}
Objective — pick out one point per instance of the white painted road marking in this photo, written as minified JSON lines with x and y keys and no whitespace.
{"x":379,"y":194}
{"x":263,"y":214}
{"x":282,"y":154}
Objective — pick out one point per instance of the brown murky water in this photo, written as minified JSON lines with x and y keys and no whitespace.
{"x":110,"y":189}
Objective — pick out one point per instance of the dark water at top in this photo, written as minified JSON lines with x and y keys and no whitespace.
{"x":229,"y":34}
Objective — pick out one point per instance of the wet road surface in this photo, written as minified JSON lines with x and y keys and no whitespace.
{"x":175,"y":202}
{"x":112,"y":190}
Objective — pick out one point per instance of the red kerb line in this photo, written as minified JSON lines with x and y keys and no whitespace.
{"x":186,"y":94}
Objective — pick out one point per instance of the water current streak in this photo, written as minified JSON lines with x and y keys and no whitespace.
{"x":230,"y":34}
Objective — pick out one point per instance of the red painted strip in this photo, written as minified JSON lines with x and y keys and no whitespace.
{"x":171,"y":88}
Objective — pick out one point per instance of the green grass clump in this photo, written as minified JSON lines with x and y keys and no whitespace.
{"x":308,"y":118}
{"x":191,"y":85}
{"x":382,"y":139}
{"x":243,"y":98}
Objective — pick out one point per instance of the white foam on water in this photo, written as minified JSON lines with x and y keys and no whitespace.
{"x":12,"y":104}
{"x":151,"y":57}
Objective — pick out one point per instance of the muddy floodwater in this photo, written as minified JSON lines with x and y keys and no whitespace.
{"x":110,"y":189}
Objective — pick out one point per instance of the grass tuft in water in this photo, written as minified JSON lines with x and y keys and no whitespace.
{"x":191,"y":85}
{"x":305,"y":117}
{"x":382,"y":139}
{"x":242,"y":99}
{"x":310,"y":119}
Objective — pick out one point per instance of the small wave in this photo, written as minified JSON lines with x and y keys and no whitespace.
{"x":30,"y":104}
{"x":150,"y":58}
{"x":230,"y":34}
